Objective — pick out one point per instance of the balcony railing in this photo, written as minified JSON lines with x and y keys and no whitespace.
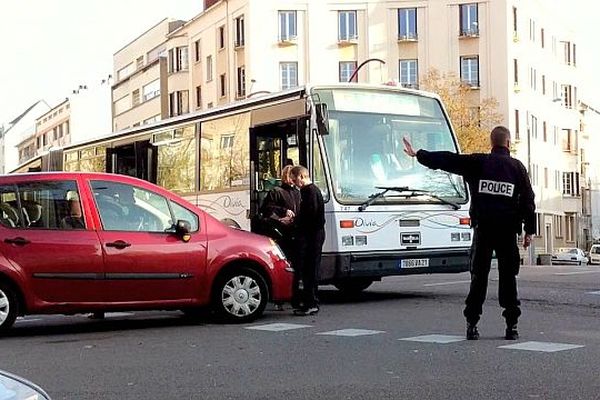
{"x":469,"y":33}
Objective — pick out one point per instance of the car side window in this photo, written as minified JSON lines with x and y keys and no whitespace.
{"x":123,"y":207}
{"x":42,"y":205}
{"x":9,"y":215}
{"x":180,"y":212}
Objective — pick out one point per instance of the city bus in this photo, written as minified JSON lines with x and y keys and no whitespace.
{"x":385,"y":213}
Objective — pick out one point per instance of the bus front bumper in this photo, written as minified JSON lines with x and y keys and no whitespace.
{"x":387,"y":263}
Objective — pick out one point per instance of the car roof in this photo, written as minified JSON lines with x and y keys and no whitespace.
{"x":28,"y":176}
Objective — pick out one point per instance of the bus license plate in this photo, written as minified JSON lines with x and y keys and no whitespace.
{"x":414,"y":263}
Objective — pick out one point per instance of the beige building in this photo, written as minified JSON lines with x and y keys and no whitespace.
{"x":139,"y":92}
{"x":83,"y":115}
{"x":52,"y":130}
{"x":516,"y":51}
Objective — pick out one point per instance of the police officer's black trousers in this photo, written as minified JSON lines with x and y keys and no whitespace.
{"x":310,"y":260}
{"x":504,"y":242}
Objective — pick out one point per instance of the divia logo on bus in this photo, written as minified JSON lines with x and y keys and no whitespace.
{"x":365,"y":223}
{"x":229,"y":202}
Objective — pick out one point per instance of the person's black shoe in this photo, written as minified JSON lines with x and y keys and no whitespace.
{"x":472,"y":332}
{"x":306,"y":311}
{"x":511,"y":333}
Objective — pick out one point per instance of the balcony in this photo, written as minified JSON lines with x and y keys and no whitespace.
{"x":285,"y":41}
{"x":348,"y":41}
{"x":409,"y":37}
{"x":469,"y":33}
{"x":410,"y":85}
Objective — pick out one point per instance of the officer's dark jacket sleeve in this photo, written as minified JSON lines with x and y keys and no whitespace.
{"x":460,"y":164}
{"x":526,"y":201}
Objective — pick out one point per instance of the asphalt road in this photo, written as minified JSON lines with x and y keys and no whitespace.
{"x":355,"y":348}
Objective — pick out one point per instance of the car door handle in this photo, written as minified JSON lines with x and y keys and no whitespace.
{"x":119,"y":244}
{"x":19,"y":241}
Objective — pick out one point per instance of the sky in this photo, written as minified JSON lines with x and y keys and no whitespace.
{"x":50,"y":47}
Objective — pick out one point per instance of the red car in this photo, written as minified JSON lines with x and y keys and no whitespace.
{"x":79,"y":242}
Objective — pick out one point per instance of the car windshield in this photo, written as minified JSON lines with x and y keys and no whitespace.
{"x":364,"y":145}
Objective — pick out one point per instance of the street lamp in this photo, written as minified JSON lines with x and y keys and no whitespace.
{"x":361,"y":65}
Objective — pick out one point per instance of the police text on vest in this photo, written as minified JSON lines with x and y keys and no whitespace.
{"x":496,"y":188}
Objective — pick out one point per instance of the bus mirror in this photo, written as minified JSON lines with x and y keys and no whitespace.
{"x":322,"y":118}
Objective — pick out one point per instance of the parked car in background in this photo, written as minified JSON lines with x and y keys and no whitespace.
{"x":594,"y":254}
{"x":82,"y":242}
{"x":569,"y":255}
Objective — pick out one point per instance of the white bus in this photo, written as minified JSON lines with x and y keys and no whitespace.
{"x":385,"y":213}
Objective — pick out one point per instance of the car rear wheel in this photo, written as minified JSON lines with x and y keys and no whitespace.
{"x":241,"y":295}
{"x":9,"y":306}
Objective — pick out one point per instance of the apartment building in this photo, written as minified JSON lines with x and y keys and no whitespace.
{"x":518,"y":52}
{"x":84,"y":115}
{"x":139,"y":92}
{"x":17,"y":130}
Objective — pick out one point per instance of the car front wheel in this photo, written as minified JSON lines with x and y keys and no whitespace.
{"x":8,"y":307}
{"x":241,"y":295}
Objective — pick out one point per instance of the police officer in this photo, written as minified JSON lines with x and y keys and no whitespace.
{"x":502,"y":200}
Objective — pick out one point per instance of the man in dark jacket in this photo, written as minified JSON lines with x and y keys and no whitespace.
{"x":310,"y":225}
{"x":279,"y":210}
{"x":502,"y":200}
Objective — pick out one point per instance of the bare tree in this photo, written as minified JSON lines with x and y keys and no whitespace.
{"x":472,"y":118}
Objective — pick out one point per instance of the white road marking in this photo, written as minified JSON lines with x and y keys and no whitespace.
{"x":118,"y":314}
{"x":546,"y":347}
{"x":351,"y":332}
{"x":28,"y":320}
{"x":277,"y":327}
{"x":444,"y":339}
{"x":446,"y":283}
{"x":598,"y":292}
{"x":575,"y":273}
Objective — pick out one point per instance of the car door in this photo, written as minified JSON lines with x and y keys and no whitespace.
{"x":145,"y":261}
{"x":60,"y":263}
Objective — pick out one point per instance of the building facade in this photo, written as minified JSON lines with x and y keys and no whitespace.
{"x":139,"y":91}
{"x":518,"y":52}
{"x":17,"y":130}
{"x":82,"y":116}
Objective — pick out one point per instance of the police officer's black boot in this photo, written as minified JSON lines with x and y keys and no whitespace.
{"x":472,"y":332}
{"x":511,"y":332}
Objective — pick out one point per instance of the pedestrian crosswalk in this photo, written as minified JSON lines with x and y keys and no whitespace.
{"x":436,"y":338}
{"x":443,"y":339}
{"x":351,"y":332}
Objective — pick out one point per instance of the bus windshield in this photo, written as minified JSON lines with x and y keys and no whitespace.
{"x":365,"y":150}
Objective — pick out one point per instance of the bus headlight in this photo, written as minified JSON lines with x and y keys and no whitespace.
{"x":455,"y":236}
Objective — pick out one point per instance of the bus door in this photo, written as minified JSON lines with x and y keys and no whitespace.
{"x":273,"y":146}
{"x":137,"y":159}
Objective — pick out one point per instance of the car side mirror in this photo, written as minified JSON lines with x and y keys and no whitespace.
{"x":322,"y":118}
{"x":183,"y":229}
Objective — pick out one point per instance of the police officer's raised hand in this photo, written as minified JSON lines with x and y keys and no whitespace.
{"x":526,"y":240}
{"x":408,"y":149}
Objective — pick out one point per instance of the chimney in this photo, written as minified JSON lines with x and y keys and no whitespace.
{"x":209,"y":3}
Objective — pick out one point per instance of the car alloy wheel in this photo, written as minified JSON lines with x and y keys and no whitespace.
{"x":242,"y":295}
{"x":8,"y":307}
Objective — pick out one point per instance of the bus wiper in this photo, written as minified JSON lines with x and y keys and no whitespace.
{"x":405,"y":191}
{"x":377,"y":195}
